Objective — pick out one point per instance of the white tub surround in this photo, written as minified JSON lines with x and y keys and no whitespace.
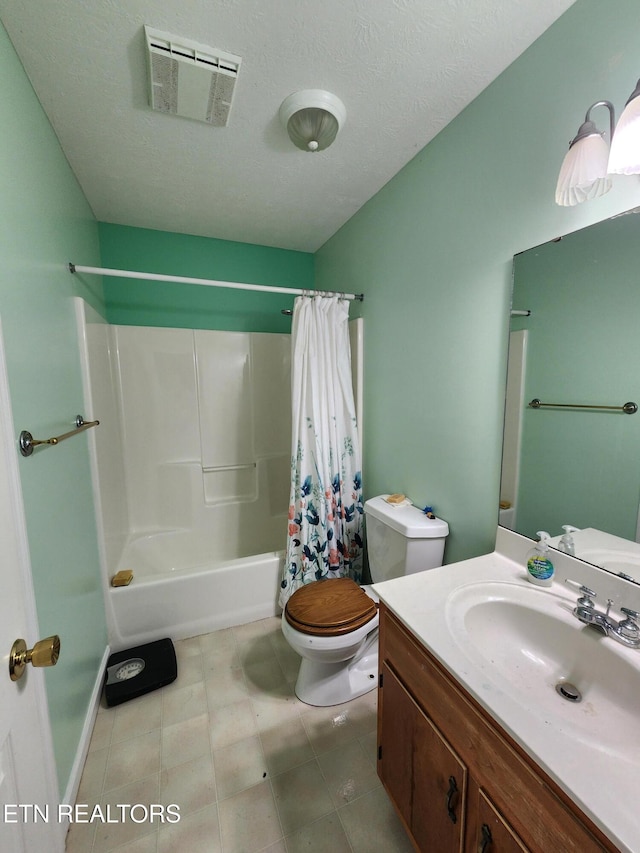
{"x":191,"y":473}
{"x":594,"y":760}
{"x":191,"y":470}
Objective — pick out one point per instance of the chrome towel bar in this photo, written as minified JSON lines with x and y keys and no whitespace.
{"x":28,"y":442}
{"x":628,"y":408}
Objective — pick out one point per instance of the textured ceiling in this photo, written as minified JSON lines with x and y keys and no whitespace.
{"x":403,"y":68}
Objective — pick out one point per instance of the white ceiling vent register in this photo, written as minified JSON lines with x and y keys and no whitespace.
{"x":190,"y":79}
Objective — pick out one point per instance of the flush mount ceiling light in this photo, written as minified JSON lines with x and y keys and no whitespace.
{"x":312,"y":118}
{"x":589,"y":162}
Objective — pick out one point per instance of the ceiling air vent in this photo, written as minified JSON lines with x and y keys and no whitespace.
{"x":190,"y":79}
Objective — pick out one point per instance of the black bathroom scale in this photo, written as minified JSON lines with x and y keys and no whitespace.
{"x":134,"y":672}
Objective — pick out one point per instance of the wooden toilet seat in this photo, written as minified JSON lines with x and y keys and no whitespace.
{"x":329,"y":608}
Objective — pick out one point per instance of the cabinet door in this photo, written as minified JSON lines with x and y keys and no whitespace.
{"x":423,"y":776}
{"x":489,"y":832}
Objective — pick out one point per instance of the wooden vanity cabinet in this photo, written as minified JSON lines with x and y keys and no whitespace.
{"x":457,"y":780}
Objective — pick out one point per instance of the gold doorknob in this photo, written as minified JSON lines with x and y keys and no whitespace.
{"x":45,"y":653}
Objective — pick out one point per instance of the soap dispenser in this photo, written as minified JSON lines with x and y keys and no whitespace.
{"x":540,"y":569}
{"x":566,"y":543}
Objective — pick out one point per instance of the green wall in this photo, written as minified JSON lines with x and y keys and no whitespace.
{"x":432,"y":252}
{"x":46,"y":221}
{"x":151,"y":303}
{"x":578,"y":466}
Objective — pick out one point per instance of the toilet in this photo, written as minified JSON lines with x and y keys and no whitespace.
{"x":333,"y":623}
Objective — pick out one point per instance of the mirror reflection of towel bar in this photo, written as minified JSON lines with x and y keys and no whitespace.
{"x":28,"y":442}
{"x":628,"y":408}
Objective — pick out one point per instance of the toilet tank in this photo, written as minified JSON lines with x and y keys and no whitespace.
{"x":401,"y":540}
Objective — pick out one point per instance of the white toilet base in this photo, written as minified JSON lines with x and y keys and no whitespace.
{"x":325,"y":684}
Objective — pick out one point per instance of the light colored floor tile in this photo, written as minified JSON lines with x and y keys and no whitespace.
{"x":189,"y":672}
{"x":262,"y":629}
{"x":278,"y":847}
{"x":266,"y":676}
{"x":132,"y":759}
{"x":286,"y":746}
{"x":216,"y":659}
{"x":330,"y":727}
{"x":183,"y":703}
{"x":191,"y":785}
{"x":363,"y":713}
{"x":80,"y":837}
{"x":218,"y":643}
{"x":225,"y":686}
{"x":146,"y":844}
{"x":92,"y":781}
{"x":196,"y":833}
{"x":371,"y":824}
{"x":279,"y":642}
{"x":246,"y":761}
{"x":370,"y":745}
{"x":271,"y":710}
{"x":183,"y":742}
{"x":319,"y":837}
{"x":187,"y":648}
{"x":255,"y":651}
{"x":138,"y":716}
{"x":111,"y":835}
{"x":232,"y":723}
{"x":348,"y":773}
{"x":288,"y":659}
{"x":101,"y":735}
{"x":301,"y":796}
{"x":238,"y":766}
{"x":249,"y":820}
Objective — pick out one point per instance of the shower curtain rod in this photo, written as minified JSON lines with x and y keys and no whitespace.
{"x":235,"y":285}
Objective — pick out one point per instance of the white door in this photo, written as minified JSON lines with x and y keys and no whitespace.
{"x":27,"y":772}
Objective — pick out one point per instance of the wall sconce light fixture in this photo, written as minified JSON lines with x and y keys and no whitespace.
{"x":590,"y":160}
{"x":312,"y":118}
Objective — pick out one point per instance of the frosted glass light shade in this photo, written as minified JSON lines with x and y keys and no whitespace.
{"x":583,"y":174}
{"x":312,"y":129}
{"x":624,"y":158}
{"x":312,"y":118}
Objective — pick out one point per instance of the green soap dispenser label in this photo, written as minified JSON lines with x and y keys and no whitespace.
{"x":540,"y":567}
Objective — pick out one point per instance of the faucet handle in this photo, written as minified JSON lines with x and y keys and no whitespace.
{"x":587,"y":594}
{"x":629,"y":627}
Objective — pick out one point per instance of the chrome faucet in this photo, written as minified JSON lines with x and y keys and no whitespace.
{"x":626,"y":631}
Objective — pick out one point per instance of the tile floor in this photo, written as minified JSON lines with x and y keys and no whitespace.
{"x":251,"y":767}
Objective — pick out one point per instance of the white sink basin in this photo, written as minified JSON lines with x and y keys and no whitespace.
{"x":526,"y":641}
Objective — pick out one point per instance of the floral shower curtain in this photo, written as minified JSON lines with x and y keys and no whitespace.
{"x":325,"y":505}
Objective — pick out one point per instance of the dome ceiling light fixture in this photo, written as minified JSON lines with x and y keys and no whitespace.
{"x":312,"y":118}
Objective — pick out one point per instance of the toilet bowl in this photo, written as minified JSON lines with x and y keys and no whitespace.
{"x":333,"y":623}
{"x":339,"y":652}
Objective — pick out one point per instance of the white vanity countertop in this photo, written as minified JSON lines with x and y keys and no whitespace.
{"x":603,"y":781}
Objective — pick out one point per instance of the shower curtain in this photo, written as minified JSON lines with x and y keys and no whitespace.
{"x":325,"y":506}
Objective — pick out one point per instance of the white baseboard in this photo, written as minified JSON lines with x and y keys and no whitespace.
{"x":87,"y":730}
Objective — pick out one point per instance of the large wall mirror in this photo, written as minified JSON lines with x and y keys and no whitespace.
{"x":579,"y":346}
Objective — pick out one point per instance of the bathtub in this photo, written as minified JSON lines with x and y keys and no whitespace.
{"x":178,"y":590}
